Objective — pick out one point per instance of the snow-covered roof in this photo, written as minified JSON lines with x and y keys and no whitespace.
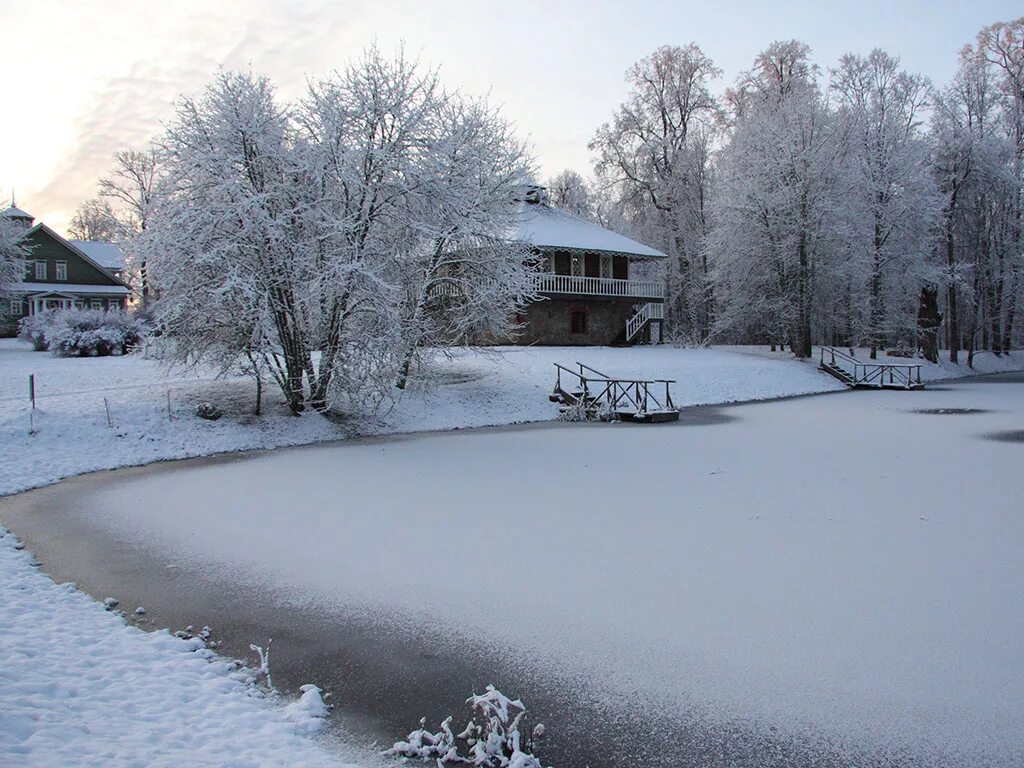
{"x":102,"y":290}
{"x":546,"y":227}
{"x":15,"y":213}
{"x":107,"y":255}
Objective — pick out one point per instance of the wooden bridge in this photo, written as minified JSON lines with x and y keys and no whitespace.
{"x":853,"y":373}
{"x":596,"y":396}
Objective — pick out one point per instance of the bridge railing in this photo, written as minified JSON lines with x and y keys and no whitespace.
{"x":906,"y":375}
{"x":596,"y":391}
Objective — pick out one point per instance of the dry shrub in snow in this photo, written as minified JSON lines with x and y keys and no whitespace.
{"x":82,"y":332}
{"x":495,"y":742}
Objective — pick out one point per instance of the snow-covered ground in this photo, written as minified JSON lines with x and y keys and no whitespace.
{"x":79,"y":686}
{"x":842,"y":566}
{"x":469,"y":389}
{"x":72,"y":674}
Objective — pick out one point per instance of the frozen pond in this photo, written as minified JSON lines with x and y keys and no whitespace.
{"x":834,"y":580}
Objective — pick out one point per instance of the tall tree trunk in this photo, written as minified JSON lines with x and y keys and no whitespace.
{"x":928,"y":321}
{"x":803,"y":334}
{"x":952,"y":323}
{"x":877,"y":315}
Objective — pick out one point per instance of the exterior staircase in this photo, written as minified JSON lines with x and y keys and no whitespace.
{"x":648,"y":314}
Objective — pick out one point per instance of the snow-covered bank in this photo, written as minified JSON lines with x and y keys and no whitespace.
{"x":78,"y":686}
{"x":152,"y":413}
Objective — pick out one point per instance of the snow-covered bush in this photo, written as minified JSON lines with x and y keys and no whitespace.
{"x":33,"y":329}
{"x":495,"y":742}
{"x":83,"y":332}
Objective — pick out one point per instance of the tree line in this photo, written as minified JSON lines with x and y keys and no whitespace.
{"x":326,"y":241}
{"x":862,"y":205}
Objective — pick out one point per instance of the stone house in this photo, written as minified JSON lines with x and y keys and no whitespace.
{"x":589,"y":294}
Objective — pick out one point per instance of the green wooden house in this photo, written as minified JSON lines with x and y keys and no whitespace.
{"x":61,"y":273}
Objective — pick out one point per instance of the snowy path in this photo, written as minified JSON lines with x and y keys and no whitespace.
{"x":841,"y":573}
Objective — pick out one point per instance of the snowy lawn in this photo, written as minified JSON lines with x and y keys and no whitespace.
{"x":845,"y":566}
{"x":506,"y":386}
{"x":80,"y":687}
{"x":509,"y":385}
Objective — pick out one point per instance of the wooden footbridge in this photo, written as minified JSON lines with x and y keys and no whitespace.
{"x":853,"y":373}
{"x":589,"y":394}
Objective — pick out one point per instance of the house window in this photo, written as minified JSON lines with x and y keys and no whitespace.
{"x":96,"y":303}
{"x":40,"y":270}
{"x":62,"y":270}
{"x":17,"y":308}
{"x":578,"y":320}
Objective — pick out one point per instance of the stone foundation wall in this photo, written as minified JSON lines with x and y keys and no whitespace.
{"x":550,"y":322}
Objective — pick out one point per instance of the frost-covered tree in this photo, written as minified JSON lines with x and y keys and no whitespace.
{"x":329,"y":240}
{"x":223,"y":244}
{"x":94,"y":220}
{"x":654,"y":157}
{"x":415,"y":186}
{"x":13,"y":251}
{"x":776,"y":209}
{"x":570,"y":192}
{"x":894,"y":203}
{"x":975,"y":168}
{"x":1002,"y":47}
{"x":463,"y":279}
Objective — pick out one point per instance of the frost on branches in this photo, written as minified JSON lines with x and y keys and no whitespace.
{"x":325,"y":242}
{"x":495,"y":742}
{"x":13,"y":252}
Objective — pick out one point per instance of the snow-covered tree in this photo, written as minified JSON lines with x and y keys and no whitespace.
{"x":570,"y":192}
{"x":892,"y":196}
{"x":776,"y":207}
{"x":1002,"y":47}
{"x":223,"y":243}
{"x":13,"y":251}
{"x":654,"y":156}
{"x":328,"y":241}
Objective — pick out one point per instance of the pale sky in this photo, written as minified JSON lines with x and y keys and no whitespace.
{"x":87,"y":78}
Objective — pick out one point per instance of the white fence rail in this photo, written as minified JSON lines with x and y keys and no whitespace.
{"x":599,"y":286}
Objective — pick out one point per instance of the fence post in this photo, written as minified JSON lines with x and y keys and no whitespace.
{"x":106,"y":407}
{"x":32,"y":389}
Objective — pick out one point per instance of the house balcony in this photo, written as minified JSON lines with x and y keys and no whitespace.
{"x":600,"y":287}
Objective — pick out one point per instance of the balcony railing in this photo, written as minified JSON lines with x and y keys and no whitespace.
{"x":599,"y":286}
